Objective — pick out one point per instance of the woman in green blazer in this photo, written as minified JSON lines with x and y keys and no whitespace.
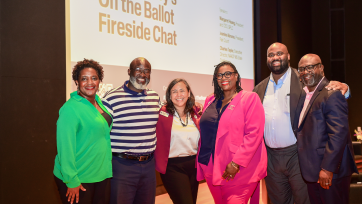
{"x":83,"y":165}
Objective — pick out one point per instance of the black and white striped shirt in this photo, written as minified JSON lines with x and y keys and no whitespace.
{"x":134,"y":119}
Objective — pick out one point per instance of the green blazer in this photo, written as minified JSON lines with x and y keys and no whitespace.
{"x":83,"y":143}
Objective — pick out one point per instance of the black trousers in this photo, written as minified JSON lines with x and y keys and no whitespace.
{"x":284,"y":181}
{"x":338,"y":193}
{"x":180,"y":180}
{"x":96,"y":193}
{"x":133,"y":182}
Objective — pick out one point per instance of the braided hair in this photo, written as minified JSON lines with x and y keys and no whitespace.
{"x":218,"y":92}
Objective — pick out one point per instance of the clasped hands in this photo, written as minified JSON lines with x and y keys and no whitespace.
{"x":231,"y":170}
{"x":325,"y":178}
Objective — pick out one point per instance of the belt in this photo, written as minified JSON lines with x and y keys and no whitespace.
{"x":127,"y":156}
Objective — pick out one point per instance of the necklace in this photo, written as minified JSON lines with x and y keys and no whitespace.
{"x":187,"y":119}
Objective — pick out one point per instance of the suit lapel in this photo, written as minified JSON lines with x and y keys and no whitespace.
{"x":298,"y":110}
{"x":295,"y":91}
{"x":261,"y":91}
{"x":316,"y":93}
{"x":196,"y":121}
{"x":225,"y":118}
{"x":212,"y":99}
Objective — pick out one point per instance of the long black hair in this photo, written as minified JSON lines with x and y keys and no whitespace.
{"x":218,"y":92}
{"x":190,"y":101}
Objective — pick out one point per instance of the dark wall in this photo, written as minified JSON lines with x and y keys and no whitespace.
{"x":353,"y":33}
{"x":32,"y":89}
{"x":305,"y":27}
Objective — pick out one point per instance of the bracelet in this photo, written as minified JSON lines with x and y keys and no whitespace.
{"x":234,"y":165}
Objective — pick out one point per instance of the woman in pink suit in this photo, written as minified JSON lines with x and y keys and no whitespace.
{"x":178,"y":135}
{"x":232,"y":156}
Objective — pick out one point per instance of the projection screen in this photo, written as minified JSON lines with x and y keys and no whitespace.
{"x":181,"y":39}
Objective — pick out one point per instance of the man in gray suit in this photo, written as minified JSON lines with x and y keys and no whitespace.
{"x":280,"y":94}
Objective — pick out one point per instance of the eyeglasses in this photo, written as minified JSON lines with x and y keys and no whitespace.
{"x":308,"y":68}
{"x":145,"y":71}
{"x":279,"y":54}
{"x":226,"y":74}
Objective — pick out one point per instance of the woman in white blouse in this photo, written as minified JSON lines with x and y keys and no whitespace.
{"x":178,"y":137}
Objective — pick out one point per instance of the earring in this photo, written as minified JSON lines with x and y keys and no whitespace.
{"x":78,"y":90}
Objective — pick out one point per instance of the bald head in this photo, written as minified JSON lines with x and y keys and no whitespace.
{"x":311,"y":71}
{"x":277,"y":47}
{"x":139,"y":61}
{"x":309,"y":58}
{"x":278,"y":59}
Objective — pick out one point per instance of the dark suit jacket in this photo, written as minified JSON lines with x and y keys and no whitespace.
{"x":295,"y":91}
{"x":323,"y":137}
{"x":163,"y":134}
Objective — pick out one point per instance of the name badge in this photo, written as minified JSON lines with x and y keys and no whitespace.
{"x":231,"y":107}
{"x":164,"y":113}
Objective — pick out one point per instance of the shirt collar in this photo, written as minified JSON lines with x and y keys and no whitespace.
{"x":282,"y":79}
{"x":77,"y":97}
{"x":311,"y":93}
{"x":128,"y":90}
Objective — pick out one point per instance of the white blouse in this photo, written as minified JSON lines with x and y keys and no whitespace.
{"x":184,"y":140}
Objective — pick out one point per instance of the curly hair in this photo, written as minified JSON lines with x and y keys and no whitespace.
{"x":190,"y":101}
{"x":86,"y":63}
{"x":218,"y":92}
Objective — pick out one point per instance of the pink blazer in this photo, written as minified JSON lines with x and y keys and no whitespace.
{"x":240,"y":139}
{"x":163,"y":134}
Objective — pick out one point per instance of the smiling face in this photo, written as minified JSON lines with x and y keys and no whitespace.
{"x":179,"y":95}
{"x":227,"y":84}
{"x":140,"y":73}
{"x":278,"y":58}
{"x":311,"y":78}
{"x":88,"y":83}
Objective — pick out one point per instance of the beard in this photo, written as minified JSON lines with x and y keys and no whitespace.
{"x":138,"y":86}
{"x":309,"y":82}
{"x":313,"y":80}
{"x":281,"y":69}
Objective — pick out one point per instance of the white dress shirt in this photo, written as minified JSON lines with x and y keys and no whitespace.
{"x":184,"y":140}
{"x":278,"y":132}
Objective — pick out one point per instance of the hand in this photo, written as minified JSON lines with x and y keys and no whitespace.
{"x":336,"y":85}
{"x":230,"y":172}
{"x":74,"y":192}
{"x":325,"y":178}
{"x":200,"y":107}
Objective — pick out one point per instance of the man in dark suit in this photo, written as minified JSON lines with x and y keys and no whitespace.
{"x":324,"y":144}
{"x":280,"y":94}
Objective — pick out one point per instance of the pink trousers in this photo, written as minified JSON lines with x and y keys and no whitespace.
{"x":231,"y":193}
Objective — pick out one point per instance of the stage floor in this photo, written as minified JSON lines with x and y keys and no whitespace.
{"x":204,"y":196}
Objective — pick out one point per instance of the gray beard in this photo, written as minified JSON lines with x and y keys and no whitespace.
{"x":137,"y":85}
{"x":311,"y":81}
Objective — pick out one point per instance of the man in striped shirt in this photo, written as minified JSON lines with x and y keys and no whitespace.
{"x":133,"y":137}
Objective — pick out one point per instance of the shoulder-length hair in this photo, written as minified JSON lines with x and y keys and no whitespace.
{"x":190,"y":101}
{"x":218,"y":92}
